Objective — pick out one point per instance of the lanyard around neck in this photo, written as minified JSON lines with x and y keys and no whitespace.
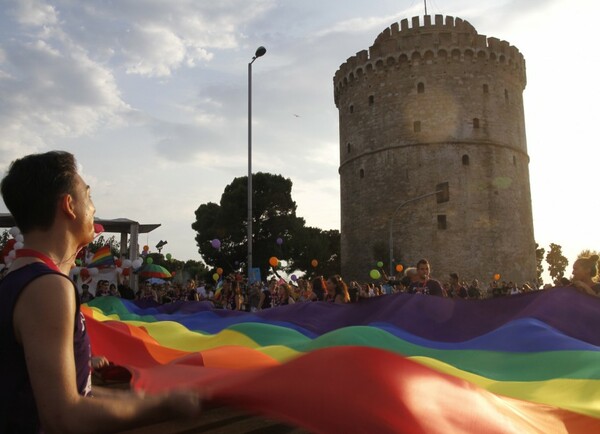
{"x":30,"y":253}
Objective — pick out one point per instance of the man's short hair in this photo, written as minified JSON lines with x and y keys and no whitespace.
{"x":34,"y":184}
{"x":422,"y":261}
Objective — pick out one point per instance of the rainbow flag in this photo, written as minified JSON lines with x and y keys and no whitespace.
{"x":103,"y":258}
{"x":401,"y":363}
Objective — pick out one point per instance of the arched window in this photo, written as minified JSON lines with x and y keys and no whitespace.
{"x":475,"y":122}
{"x":506,"y":95}
{"x":486,"y":88}
{"x":465,"y":160}
{"x":351,"y":108}
{"x":514,"y":160}
{"x":361,"y":173}
{"x":349,"y":146}
{"x":441,"y":221}
{"x":371,"y":99}
{"x":417,"y":126}
{"x":421,"y":88}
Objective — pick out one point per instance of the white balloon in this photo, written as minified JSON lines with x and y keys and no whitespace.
{"x":12,"y":254}
{"x":126,"y":263}
{"x":119,"y":270}
{"x":20,"y":238}
{"x":93,"y":271}
{"x":18,"y":245}
{"x":8,"y":260}
{"x":14,"y":231}
{"x":137,"y":263}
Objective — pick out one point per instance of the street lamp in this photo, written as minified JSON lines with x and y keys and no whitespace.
{"x":442,"y":193}
{"x":260,"y":51}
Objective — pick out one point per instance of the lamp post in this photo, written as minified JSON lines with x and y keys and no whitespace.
{"x":260,"y":51}
{"x":443,"y":195}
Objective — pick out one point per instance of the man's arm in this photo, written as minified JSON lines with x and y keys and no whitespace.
{"x":44,"y":322}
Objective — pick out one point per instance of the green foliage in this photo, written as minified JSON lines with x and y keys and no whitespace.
{"x":115,"y":246}
{"x":557,"y":263}
{"x":539,"y":257}
{"x":274,"y":216}
{"x":4,"y":237}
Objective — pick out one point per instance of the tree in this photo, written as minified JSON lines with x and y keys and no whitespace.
{"x":115,"y":246}
{"x":273,"y":217}
{"x":539,"y":257}
{"x":557,"y":263}
{"x":4,"y":237}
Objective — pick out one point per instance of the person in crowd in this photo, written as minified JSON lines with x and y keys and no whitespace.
{"x":337,"y":290}
{"x":238,"y":302}
{"x":45,"y":356}
{"x":318,"y":287}
{"x":284,"y":294}
{"x":424,"y":284}
{"x":148,"y":293}
{"x":353,"y":291}
{"x":474,"y":291}
{"x":112,"y":290}
{"x":86,"y":295}
{"x":585,"y":271}
{"x":456,"y":290}
{"x":125,"y":290}
{"x":266,"y":298}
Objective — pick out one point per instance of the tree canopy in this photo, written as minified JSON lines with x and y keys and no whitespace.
{"x":277,"y":230}
{"x":557,"y":262}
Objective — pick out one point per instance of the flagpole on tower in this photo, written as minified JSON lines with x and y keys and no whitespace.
{"x":425,"y":1}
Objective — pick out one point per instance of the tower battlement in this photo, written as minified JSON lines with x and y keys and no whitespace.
{"x":446,"y":39}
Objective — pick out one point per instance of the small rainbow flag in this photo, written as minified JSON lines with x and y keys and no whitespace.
{"x":102,"y":258}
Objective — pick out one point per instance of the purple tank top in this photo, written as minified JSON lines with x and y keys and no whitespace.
{"x":18,"y":411}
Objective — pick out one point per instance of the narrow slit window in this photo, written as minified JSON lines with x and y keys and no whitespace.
{"x":506,"y":95}
{"x":475,"y":122}
{"x":349,"y":146}
{"x":465,"y":160}
{"x":417,"y":126}
{"x":441,"y":222}
{"x":421,"y":88}
{"x":351,"y":108}
{"x":371,"y":99}
{"x":361,"y":173}
{"x":486,"y":88}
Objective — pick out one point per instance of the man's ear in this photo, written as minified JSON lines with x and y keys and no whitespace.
{"x":68,"y":206}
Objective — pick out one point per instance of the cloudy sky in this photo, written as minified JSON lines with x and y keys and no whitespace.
{"x":151,"y":97}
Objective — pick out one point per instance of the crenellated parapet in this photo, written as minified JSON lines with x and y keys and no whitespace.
{"x":445,"y":40}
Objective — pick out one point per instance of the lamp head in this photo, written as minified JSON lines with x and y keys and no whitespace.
{"x":260,"y":51}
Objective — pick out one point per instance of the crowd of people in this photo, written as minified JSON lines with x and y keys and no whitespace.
{"x":232,"y":291}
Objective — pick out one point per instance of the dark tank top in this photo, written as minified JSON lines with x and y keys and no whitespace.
{"x":18,"y":412}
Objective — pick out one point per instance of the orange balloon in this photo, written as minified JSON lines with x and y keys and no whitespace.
{"x":273,"y":261}
{"x":219,"y":271}
{"x":399,"y":268}
{"x":146,"y":248}
{"x":496,"y":276}
{"x":314,"y":263}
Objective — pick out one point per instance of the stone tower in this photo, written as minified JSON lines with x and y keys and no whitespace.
{"x":432,"y":103}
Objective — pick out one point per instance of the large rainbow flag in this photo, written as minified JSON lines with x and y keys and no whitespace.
{"x":394,"y":364}
{"x":102,"y":258}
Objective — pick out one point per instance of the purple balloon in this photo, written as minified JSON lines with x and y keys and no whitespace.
{"x":294,"y":277}
{"x":279,"y":241}
{"x":216,"y":243}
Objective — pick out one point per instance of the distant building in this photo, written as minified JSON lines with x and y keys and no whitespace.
{"x":431,"y":103}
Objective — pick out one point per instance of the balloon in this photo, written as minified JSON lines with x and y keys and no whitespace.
{"x":126,"y":263}
{"x":126,"y":271}
{"x":314,"y":263}
{"x":379,"y":264}
{"x":149,"y":260}
{"x":375,"y":274}
{"x":119,"y":270}
{"x":219,"y":271}
{"x":14,"y":231}
{"x":77,"y":261}
{"x":294,"y":277}
{"x":12,"y":254}
{"x":137,"y":263}
{"x":399,"y":268}
{"x":273,"y":261}
{"x":216,"y":243}
{"x":216,"y":277}
{"x":20,"y":238}
{"x":169,"y":256}
{"x":279,"y":241}
{"x":118,"y":262}
{"x":173,"y":273}
{"x":496,"y":276}
{"x":94,"y":271}
{"x":84,"y":273}
{"x":18,"y":245}
{"x":146,"y":248}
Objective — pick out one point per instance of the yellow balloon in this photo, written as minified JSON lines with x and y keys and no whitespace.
{"x":215,"y":277}
{"x":314,"y":263}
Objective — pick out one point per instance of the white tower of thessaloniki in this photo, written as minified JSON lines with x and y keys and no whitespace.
{"x":432,"y":103}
